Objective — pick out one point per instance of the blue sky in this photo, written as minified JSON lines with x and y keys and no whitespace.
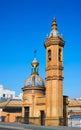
{"x":24,"y":25}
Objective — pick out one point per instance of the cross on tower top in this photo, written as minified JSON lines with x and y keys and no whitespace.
{"x":35,"y":51}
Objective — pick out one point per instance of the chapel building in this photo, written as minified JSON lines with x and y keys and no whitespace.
{"x":44,"y":103}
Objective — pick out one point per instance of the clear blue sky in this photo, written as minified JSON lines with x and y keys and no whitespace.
{"x":24,"y":25}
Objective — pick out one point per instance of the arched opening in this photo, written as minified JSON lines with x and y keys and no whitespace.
{"x":49,"y":55}
{"x":60,"y":55}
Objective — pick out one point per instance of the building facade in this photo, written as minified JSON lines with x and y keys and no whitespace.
{"x":74,"y":113}
{"x":44,"y":103}
{"x":10,"y":110}
{"x":6,"y":93}
{"x":74,"y":108}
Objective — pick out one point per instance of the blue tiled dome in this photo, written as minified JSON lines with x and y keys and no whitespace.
{"x":34,"y":80}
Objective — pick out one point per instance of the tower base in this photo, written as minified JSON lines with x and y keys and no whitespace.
{"x":54,"y":121}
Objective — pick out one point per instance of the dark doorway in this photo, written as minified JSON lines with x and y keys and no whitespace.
{"x":26,"y":115}
{"x":42,"y":117}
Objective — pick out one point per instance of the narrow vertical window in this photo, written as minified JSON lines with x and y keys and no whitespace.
{"x":60,"y":55}
{"x":26,"y":115}
{"x":49,"y":55}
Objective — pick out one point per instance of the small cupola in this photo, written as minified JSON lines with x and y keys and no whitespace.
{"x":35,"y":66}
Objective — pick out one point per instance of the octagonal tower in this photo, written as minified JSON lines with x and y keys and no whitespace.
{"x":54,"y":77}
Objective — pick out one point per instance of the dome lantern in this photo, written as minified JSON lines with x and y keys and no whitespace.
{"x":34,"y":66}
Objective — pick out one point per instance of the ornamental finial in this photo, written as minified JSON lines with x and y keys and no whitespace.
{"x":54,"y":24}
{"x":35,"y":62}
{"x":35,"y":51}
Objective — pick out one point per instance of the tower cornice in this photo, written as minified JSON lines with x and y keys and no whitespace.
{"x":54,"y":78}
{"x":54,"y":67}
{"x":54,"y":41}
{"x":33,"y":88}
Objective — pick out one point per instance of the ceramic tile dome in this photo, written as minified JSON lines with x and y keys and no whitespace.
{"x":35,"y":80}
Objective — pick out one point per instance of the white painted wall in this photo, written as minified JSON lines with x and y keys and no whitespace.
{"x":6,"y":93}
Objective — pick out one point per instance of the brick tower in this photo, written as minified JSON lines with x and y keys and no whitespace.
{"x":54,"y":76}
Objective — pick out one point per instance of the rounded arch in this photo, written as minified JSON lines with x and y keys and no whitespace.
{"x":49,"y":55}
{"x":60,"y":54}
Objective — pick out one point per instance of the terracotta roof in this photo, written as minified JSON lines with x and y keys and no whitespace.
{"x":11,"y":103}
{"x":75,"y":102}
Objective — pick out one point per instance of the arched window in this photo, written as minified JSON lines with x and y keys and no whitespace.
{"x":60,"y":55}
{"x":49,"y":55}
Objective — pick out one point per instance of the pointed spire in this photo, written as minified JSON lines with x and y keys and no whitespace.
{"x":54,"y":24}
